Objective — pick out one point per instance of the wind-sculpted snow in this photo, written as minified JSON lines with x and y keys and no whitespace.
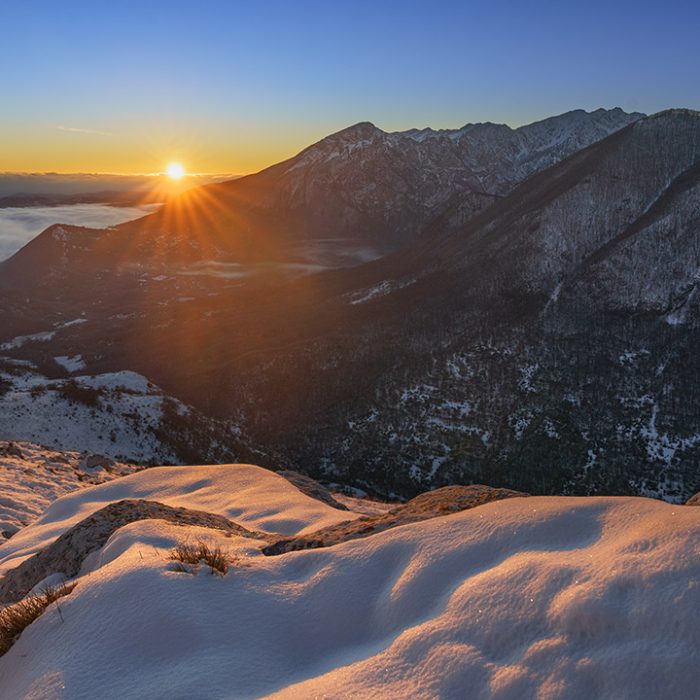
{"x":67,"y":554}
{"x":432,"y":504}
{"x":549,"y":597}
{"x":254,"y":498}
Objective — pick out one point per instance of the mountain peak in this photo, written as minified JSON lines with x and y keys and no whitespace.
{"x":357,"y":132}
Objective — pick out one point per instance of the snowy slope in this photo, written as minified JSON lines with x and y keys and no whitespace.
{"x":527,"y":597}
{"x":34,"y":408}
{"x":118,"y":414}
{"x":32,"y":477}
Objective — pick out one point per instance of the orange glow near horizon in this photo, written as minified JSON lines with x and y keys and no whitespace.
{"x":147,"y":149}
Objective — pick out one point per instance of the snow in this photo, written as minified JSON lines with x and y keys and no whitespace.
{"x":73,"y":364}
{"x":379,"y":290}
{"x":251,"y":496}
{"x":32,"y":477}
{"x":74,"y":322}
{"x":122,"y":380}
{"x":122,"y":424}
{"x":41,"y":337}
{"x":548,"y":597}
{"x":21,"y":340}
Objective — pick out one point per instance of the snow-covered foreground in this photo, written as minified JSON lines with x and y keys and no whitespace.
{"x":546,"y":597}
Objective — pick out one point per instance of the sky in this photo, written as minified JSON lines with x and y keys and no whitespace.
{"x":231,"y":87}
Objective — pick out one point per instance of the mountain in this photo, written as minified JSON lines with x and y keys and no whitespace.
{"x":354,"y":196}
{"x":542,"y":343}
{"x":165,"y":585}
{"x":548,"y":343}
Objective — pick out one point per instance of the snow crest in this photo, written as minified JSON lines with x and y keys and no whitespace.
{"x":550,"y":597}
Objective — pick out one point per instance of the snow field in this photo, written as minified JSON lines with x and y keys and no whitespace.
{"x":547,"y":597}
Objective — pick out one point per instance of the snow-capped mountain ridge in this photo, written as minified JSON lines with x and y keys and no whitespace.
{"x":355,"y":195}
{"x":502,"y":154}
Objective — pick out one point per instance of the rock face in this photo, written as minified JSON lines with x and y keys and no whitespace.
{"x":97,"y":461}
{"x":11,"y":449}
{"x":432,"y":504}
{"x":693,"y":500}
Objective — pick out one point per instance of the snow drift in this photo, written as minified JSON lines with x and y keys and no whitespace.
{"x":548,"y":597}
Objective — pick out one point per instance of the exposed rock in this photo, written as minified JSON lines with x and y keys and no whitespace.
{"x":444,"y":501}
{"x":311,"y":488}
{"x":92,"y":461}
{"x":10,"y":449}
{"x":694,"y":500}
{"x":32,"y":477}
{"x":69,"y":551}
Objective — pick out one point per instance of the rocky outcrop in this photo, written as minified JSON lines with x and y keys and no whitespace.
{"x":311,"y":488}
{"x":11,"y":449}
{"x":68,"y":552}
{"x":432,"y":504}
{"x":97,"y":461}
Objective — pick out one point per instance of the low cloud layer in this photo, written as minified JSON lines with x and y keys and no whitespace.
{"x":19,"y":225}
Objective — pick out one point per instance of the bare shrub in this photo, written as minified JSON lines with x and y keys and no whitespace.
{"x":191,"y":555}
{"x":75,"y":393}
{"x":14,"y":619}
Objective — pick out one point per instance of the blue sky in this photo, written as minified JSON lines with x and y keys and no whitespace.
{"x":233,"y":86}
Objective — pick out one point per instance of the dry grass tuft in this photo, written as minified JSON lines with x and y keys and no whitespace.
{"x":191,"y":555}
{"x":14,"y":619}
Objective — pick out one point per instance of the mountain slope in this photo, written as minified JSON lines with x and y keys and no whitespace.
{"x":32,"y":477}
{"x":546,"y":344}
{"x":118,"y":414}
{"x":353,"y":196}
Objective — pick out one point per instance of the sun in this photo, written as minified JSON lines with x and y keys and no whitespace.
{"x":175,"y":171}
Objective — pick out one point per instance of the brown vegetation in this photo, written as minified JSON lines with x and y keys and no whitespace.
{"x":14,"y":619}
{"x":191,"y":555}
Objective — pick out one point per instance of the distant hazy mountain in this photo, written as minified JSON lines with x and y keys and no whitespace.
{"x":535,"y":327}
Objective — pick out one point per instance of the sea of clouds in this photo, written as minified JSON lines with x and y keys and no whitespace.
{"x":18,"y":225}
